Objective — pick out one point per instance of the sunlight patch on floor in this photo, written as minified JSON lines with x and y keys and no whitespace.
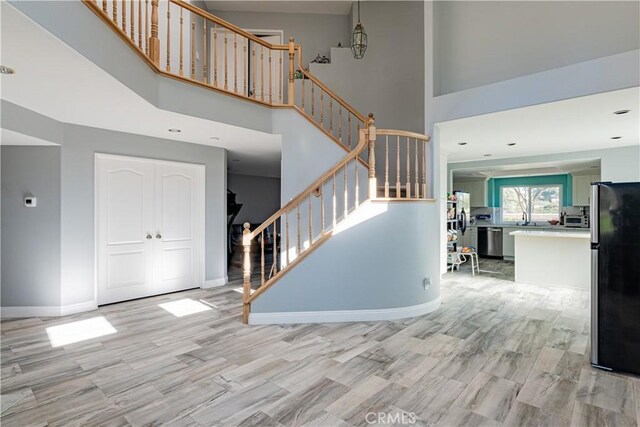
{"x":81,"y":330}
{"x":184,"y":307}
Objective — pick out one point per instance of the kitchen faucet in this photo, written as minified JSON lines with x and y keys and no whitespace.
{"x":525,"y":218}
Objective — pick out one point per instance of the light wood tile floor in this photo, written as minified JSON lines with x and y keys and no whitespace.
{"x":495,"y":353}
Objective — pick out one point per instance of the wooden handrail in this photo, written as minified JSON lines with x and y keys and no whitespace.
{"x":404,"y":133}
{"x":362,"y":144}
{"x":227,"y":25}
{"x":413,"y":189}
{"x":331,"y":93}
{"x":366,"y":139}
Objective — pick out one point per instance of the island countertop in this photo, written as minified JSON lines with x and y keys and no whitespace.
{"x":543,"y":233}
{"x":553,"y":258}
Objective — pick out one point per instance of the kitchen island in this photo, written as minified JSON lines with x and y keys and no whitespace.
{"x":556,"y":258}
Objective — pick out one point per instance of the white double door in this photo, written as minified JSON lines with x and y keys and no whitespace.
{"x":150,"y":227}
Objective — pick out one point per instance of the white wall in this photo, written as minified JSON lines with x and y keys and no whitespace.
{"x":259,"y":196}
{"x":621,"y":165}
{"x":483,"y":42}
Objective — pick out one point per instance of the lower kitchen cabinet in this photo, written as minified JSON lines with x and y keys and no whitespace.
{"x":508,"y":242}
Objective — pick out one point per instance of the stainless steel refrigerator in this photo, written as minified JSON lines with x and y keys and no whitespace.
{"x":615,"y":276}
{"x":463,"y":207}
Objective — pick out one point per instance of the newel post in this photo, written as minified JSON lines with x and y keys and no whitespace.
{"x":246,"y":272}
{"x":154,"y":40}
{"x":292,"y":72}
{"x":371,"y":135}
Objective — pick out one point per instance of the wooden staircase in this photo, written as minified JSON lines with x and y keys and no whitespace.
{"x":246,"y":67}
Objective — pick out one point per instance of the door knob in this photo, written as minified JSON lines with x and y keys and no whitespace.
{"x":149,"y":237}
{"x":158,"y":236}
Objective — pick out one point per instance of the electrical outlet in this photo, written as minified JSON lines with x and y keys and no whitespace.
{"x":426,"y":283}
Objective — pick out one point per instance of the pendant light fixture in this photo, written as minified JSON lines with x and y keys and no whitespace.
{"x":359,"y":39}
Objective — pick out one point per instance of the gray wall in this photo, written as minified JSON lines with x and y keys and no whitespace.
{"x":483,"y":42}
{"x":259,"y":195}
{"x":68,"y":19}
{"x":30,"y":236}
{"x":389,"y":80}
{"x":80,"y":145}
{"x":307,"y":153}
{"x":317,"y":33}
{"x":404,"y":256}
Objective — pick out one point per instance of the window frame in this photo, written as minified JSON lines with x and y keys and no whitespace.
{"x":529,"y":204}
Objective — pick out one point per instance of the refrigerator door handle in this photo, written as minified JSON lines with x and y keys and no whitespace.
{"x":595,"y":214}
{"x":594,"y":307}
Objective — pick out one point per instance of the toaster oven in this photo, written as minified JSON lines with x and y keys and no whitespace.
{"x":577,"y":221}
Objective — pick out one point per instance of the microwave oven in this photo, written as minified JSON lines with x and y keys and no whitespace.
{"x":578,"y":221}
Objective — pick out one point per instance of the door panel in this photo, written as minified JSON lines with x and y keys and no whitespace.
{"x":179,"y":208}
{"x":150,"y":227}
{"x":125,"y":219}
{"x":123,"y":269}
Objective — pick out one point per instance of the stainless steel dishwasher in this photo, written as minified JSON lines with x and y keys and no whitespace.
{"x":490,"y":242}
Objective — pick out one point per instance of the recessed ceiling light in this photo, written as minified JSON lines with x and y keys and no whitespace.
{"x":621,"y":112}
{"x":511,"y":144}
{"x":616,"y":137}
{"x":462,"y":143}
{"x":6,"y":70}
{"x":174,"y":130}
{"x":487,"y":155}
{"x":214,"y":137}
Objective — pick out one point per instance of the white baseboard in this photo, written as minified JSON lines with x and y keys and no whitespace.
{"x":343,"y":315}
{"x":78,"y":308}
{"x":214,"y":283}
{"x":47,"y":311}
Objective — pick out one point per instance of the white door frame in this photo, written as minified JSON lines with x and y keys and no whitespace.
{"x":202,"y":215}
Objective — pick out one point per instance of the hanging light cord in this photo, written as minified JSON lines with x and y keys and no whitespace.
{"x":358,"y":11}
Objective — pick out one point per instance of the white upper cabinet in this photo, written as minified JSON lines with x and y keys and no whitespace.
{"x":582,"y":189}
{"x":477,"y":191}
{"x":460,"y":186}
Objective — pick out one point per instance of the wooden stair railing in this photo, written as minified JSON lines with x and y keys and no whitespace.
{"x":330,"y":200}
{"x":170,"y":34}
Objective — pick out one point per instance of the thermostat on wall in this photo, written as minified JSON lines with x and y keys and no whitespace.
{"x":30,"y":201}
